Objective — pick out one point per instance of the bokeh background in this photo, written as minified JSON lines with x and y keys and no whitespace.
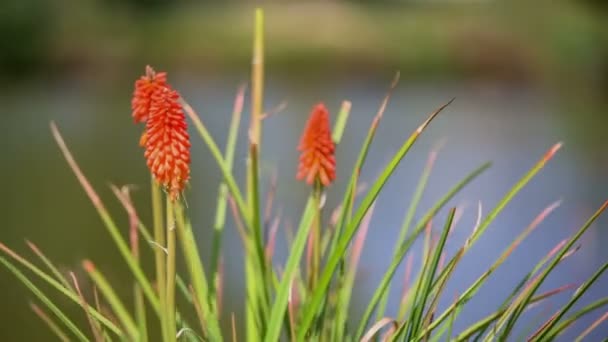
{"x":525,"y":76}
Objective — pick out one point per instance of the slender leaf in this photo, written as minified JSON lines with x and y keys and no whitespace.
{"x":425,"y":290}
{"x":563,"y":325}
{"x":108,"y":222}
{"x":407,"y":221}
{"x":200,"y":287}
{"x":69,"y":293}
{"x":222,"y":197}
{"x":577,"y":295}
{"x":45,"y":300}
{"x":117,"y":306}
{"x":558,"y":258}
{"x":295,"y":255}
{"x":398,"y":258}
{"x":488,"y":320}
{"x":472,"y":290}
{"x":48,"y":263}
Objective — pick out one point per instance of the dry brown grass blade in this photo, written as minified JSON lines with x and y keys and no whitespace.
{"x":124,"y":197}
{"x":377,"y":327}
{"x":97,"y":334}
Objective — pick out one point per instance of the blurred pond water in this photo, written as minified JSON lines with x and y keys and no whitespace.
{"x":512,"y":126}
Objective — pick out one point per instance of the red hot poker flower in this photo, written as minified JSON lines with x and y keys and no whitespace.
{"x":166,"y":140}
{"x":317,"y":159}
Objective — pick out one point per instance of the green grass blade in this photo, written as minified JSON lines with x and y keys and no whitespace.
{"x":297,"y":249}
{"x":115,"y":303}
{"x":53,"y":327}
{"x":472,"y":290}
{"x":337,"y":254}
{"x":349,"y":195}
{"x":426,"y":331}
{"x":109,"y":223}
{"x":411,"y":297}
{"x":524,"y":281}
{"x":198,"y":279}
{"x":344,"y":295}
{"x":480,"y":230}
{"x":341,"y":120}
{"x":563,"y":325}
{"x":258,"y":279}
{"x":68,"y":292}
{"x":558,"y":258}
{"x":222,"y":197}
{"x":140,"y":313}
{"x":511,"y":194}
{"x":437,"y":292}
{"x":407,"y":221}
{"x":431,"y":270}
{"x":404,"y":248}
{"x":124,"y":197}
{"x":577,"y":295}
{"x":219,"y":159}
{"x":45,"y":300}
{"x":256,"y":225}
{"x":332,"y":237}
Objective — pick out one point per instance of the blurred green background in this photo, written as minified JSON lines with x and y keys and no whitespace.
{"x":525,"y":75}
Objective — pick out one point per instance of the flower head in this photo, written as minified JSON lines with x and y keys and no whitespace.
{"x":166,"y":140}
{"x":317,"y":161}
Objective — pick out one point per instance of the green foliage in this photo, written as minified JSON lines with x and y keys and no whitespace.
{"x":295,"y":301}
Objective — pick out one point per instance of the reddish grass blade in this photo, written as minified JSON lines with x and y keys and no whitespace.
{"x":49,"y":323}
{"x":592,"y":327}
{"x":488,"y":320}
{"x":83,"y":303}
{"x":49,"y":264}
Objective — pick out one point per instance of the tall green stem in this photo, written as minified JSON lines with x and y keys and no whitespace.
{"x":171,"y":246}
{"x":159,"y":253}
{"x":256,"y":293}
{"x":315,"y":263}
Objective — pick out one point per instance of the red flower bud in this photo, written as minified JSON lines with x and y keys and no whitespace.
{"x":317,"y":160}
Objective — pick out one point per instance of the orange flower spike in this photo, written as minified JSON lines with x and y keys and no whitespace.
{"x":167,"y":142}
{"x":144,"y":88}
{"x":317,"y":160}
{"x":165,"y":139}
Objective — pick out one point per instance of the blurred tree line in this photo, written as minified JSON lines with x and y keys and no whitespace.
{"x":38,"y":36}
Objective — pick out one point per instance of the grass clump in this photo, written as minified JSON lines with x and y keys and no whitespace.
{"x":308,"y":297}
